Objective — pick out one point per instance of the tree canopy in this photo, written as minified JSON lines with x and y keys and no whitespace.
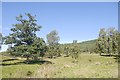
{"x":53,"y":38}
{"x":108,"y":41}
{"x":24,"y":37}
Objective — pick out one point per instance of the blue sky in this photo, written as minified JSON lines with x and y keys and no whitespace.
{"x":73,"y":21}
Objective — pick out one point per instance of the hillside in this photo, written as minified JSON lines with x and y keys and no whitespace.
{"x":85,"y":46}
{"x":88,"y":45}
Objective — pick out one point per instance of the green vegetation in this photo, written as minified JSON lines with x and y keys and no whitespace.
{"x":108,"y":41}
{"x":24,"y":38}
{"x":0,"y":40}
{"x":88,"y":46}
{"x":88,"y":66}
{"x":31,"y":56}
{"x":53,"y":45}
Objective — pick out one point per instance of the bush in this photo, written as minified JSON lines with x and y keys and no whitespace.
{"x":29,"y":73}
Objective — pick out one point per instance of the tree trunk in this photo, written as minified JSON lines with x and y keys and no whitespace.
{"x":27,"y":60}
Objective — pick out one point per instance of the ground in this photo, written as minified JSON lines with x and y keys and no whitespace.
{"x":86,"y":66}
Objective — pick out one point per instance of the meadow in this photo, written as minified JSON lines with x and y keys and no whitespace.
{"x":86,"y":66}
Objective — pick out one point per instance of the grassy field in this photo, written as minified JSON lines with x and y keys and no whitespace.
{"x":88,"y":66}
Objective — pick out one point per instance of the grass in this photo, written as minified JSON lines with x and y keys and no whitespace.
{"x":17,"y":70}
{"x":88,"y":66}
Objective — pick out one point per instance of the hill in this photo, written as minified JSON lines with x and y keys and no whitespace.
{"x":88,"y":45}
{"x":85,"y":46}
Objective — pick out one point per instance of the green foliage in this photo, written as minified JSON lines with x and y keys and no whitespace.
{"x":75,"y":51}
{"x":88,"y":46}
{"x":24,"y":38}
{"x":0,"y":40}
{"x":50,"y":52}
{"x":57,"y":50}
{"x":107,"y":41}
{"x":38,"y":48}
{"x":53,"y":45}
{"x":71,"y":49}
{"x":29,"y":73}
{"x":66,"y":51}
{"x":104,"y":66}
{"x":53,"y":38}
{"x":53,"y":51}
{"x":118,"y":46}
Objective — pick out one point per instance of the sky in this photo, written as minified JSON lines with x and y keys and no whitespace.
{"x":73,"y":20}
{"x":60,"y":0}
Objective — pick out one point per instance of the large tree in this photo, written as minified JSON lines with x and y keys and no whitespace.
{"x":119,"y":46}
{"x":119,"y":42}
{"x":107,"y":41}
{"x":24,"y":37}
{"x":101,"y":41}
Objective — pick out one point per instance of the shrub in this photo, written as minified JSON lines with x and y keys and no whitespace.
{"x":29,"y":73}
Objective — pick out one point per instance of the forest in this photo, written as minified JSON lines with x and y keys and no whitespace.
{"x":33,"y":57}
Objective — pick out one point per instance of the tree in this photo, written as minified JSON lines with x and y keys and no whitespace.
{"x":74,"y":41}
{"x":66,"y":51}
{"x":114,"y":36}
{"x":118,"y":57}
{"x":24,"y":38}
{"x":0,"y":40}
{"x":38,"y":48}
{"x":52,"y":40}
{"x":102,"y":39}
{"x":57,"y":50}
{"x":108,"y":41}
{"x":25,"y":31}
{"x":119,"y":43}
{"x":75,"y":50}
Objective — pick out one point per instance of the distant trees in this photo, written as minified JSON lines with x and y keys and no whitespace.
{"x":108,"y":41}
{"x":0,"y":40}
{"x":71,"y":50}
{"x":74,"y":41}
{"x":24,"y":38}
{"x":53,"y":45}
{"x":119,"y":46}
{"x":67,"y":51}
{"x":119,"y":42}
{"x":75,"y":50}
